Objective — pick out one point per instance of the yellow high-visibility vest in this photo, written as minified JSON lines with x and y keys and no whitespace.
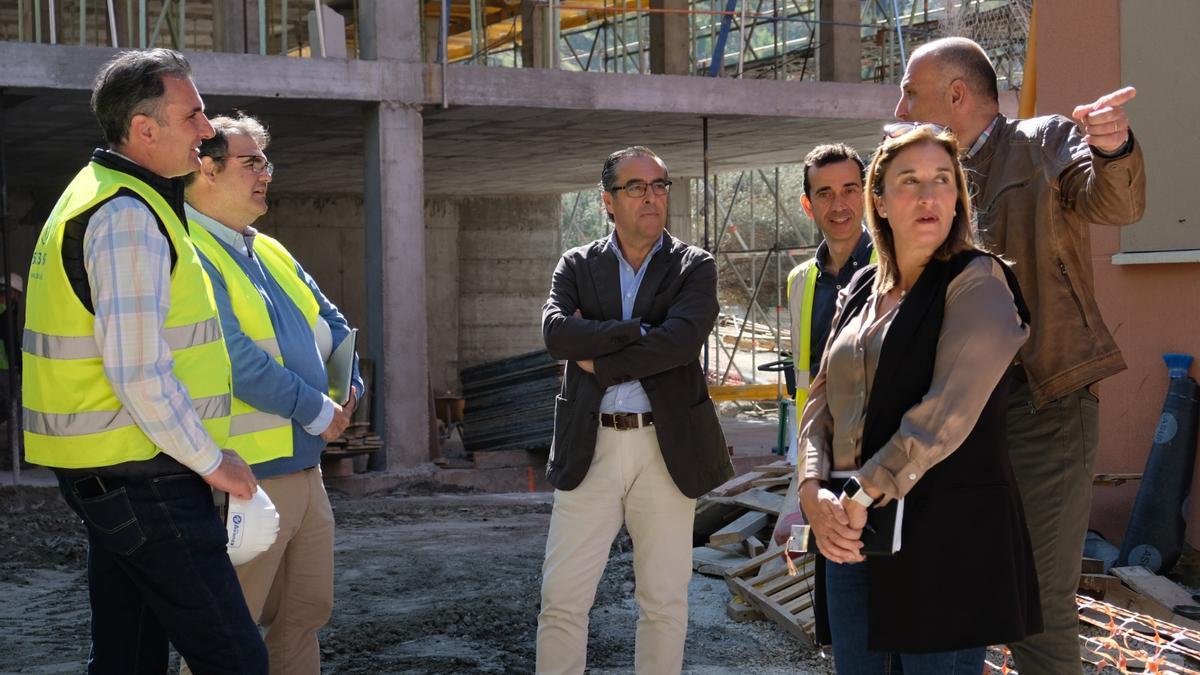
{"x":256,"y":435}
{"x":800,"y":303}
{"x":73,"y":418}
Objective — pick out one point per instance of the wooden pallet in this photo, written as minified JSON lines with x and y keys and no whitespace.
{"x":764,"y":583}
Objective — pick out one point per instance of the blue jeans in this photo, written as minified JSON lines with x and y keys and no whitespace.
{"x":846,"y":590}
{"x":158,"y":573}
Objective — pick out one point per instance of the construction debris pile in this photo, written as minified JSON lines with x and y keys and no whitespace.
{"x":1131,"y":619}
{"x":732,"y":535}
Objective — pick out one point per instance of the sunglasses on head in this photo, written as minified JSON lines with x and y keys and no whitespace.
{"x":898,"y":129}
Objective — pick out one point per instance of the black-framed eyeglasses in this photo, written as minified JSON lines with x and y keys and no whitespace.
{"x":898,"y":129}
{"x":257,"y":164}
{"x":637,"y":188}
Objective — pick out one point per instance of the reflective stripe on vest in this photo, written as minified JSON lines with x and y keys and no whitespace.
{"x":801,"y":307}
{"x":85,"y":347}
{"x":256,"y":435}
{"x":83,"y":423}
{"x":73,"y":417}
{"x":801,"y":304}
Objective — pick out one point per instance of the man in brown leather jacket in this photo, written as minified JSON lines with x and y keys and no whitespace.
{"x":1038,"y":184}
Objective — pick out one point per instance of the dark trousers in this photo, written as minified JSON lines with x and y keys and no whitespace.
{"x":158,"y":573}
{"x":1053,"y":449}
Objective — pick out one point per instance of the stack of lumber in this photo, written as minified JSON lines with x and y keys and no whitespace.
{"x":510,"y":403}
{"x":732,"y":539}
{"x":355,"y":440}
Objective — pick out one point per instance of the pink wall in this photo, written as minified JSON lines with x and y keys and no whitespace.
{"x":1143,"y":305}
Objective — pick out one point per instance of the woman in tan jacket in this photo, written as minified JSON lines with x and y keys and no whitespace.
{"x":910,"y":404}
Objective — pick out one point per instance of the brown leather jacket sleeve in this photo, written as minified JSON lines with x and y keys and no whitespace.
{"x":1099,"y":189}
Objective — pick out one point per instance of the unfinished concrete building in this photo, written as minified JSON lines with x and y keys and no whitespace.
{"x":424,"y":147}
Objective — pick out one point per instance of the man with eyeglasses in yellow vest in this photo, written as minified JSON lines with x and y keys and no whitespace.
{"x":127,"y":384}
{"x":833,"y":198}
{"x":272,"y":315}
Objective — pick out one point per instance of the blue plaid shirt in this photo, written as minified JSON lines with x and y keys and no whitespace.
{"x":128,"y":263}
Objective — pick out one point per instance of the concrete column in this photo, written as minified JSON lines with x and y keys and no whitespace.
{"x":442,"y":291}
{"x":431,"y":37}
{"x":669,"y":39}
{"x":533,"y":34}
{"x":839,"y":54}
{"x":679,"y":211}
{"x":390,"y":31}
{"x":395,"y":241}
{"x":235,"y":27}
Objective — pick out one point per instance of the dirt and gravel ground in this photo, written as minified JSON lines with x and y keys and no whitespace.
{"x":428,"y":581}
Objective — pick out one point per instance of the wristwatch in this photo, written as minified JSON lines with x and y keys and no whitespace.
{"x":853,"y":490}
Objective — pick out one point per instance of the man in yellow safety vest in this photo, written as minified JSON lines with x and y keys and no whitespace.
{"x":273,"y":316}
{"x":833,"y":198}
{"x":126,"y":383}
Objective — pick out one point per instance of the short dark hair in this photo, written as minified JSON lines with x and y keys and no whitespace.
{"x":964,"y":58}
{"x":224,"y":126}
{"x":831,"y":153}
{"x":132,"y":84}
{"x":608,"y":175}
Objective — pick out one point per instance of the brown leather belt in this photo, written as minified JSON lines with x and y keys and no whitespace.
{"x":626,"y":421}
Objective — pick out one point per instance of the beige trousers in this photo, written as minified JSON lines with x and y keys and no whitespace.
{"x":289,"y":587}
{"x":627,"y":483}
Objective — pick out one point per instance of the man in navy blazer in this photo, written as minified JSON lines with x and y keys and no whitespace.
{"x":636,"y":437}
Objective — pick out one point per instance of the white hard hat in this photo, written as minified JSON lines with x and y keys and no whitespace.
{"x":324,"y":338}
{"x":252,"y":525}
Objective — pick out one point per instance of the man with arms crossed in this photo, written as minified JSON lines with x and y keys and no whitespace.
{"x":636,"y":437}
{"x":126,"y":384}
{"x":1038,"y":184}
{"x":270,"y":311}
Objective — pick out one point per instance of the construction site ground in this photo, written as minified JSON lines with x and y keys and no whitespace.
{"x":429,"y":579}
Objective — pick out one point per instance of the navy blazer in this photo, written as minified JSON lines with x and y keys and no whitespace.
{"x":677,"y":300}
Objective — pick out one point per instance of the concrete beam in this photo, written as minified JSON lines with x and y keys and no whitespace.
{"x":517,"y":87}
{"x":74,"y":68}
{"x":669,"y":39}
{"x":393,"y":197}
{"x":38,"y":66}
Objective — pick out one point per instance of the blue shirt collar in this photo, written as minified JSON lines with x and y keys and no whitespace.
{"x":242,"y":242}
{"x":616,"y":248}
{"x":861,"y":254}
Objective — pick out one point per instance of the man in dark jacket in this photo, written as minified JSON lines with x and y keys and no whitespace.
{"x":636,"y":437}
{"x":1038,"y":184}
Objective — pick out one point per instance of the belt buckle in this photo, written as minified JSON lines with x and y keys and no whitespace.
{"x":625,"y":421}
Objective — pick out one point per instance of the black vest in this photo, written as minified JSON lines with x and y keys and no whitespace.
{"x":965,"y":574}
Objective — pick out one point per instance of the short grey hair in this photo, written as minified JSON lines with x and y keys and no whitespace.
{"x":132,"y":84}
{"x":225,"y":126}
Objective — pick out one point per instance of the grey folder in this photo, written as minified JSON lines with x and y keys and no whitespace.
{"x":340,"y":367}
